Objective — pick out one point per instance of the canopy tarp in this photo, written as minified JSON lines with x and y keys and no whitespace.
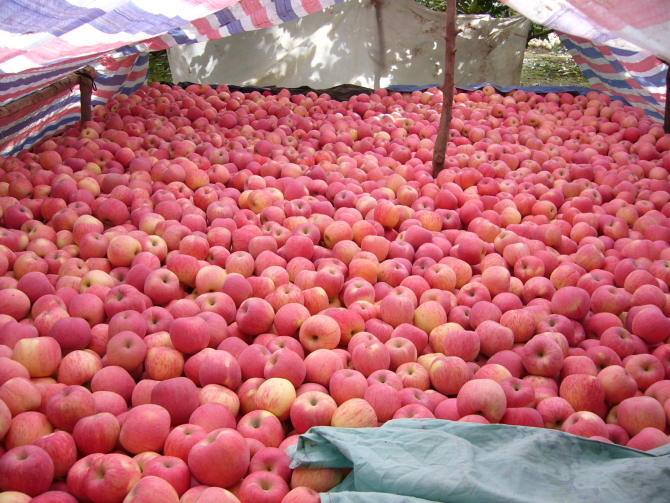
{"x":431,"y":460}
{"x":638,"y":25}
{"x":636,"y":76}
{"x":620,"y":45}
{"x":372,"y":44}
{"x":41,"y":42}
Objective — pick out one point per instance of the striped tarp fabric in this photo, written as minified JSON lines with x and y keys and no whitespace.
{"x":635,"y":25}
{"x":41,"y":42}
{"x":620,"y":45}
{"x":46,"y":33}
{"x":116,"y":73}
{"x":638,"y":77}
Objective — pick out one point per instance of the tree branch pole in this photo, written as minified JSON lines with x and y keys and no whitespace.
{"x":380,"y":64}
{"x":86,"y":86}
{"x":83,"y":77}
{"x":447,"y":89}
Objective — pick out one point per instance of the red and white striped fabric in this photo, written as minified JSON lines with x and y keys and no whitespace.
{"x":41,"y":44}
{"x":620,"y":45}
{"x":634,"y":25}
{"x":638,"y":77}
{"x":55,"y":31}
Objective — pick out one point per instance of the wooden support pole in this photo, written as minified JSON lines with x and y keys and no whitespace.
{"x":666,"y":124}
{"x":83,"y":77}
{"x":380,"y":64}
{"x":447,"y":89}
{"x":86,"y":86}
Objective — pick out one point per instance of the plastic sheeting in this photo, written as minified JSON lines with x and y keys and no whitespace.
{"x":639,"y":25}
{"x":638,"y":77}
{"x":45,"y":33}
{"x":430,"y":460}
{"x":41,"y":42}
{"x":117,"y":73}
{"x":620,"y":45}
{"x":362,"y":42}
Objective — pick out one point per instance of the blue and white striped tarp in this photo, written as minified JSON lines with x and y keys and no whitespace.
{"x":41,"y":42}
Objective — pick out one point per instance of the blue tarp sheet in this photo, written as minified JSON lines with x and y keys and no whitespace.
{"x":429,"y":460}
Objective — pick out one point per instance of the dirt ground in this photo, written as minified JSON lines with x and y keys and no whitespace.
{"x":550,"y":67}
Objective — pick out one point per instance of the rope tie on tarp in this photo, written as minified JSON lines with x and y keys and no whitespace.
{"x":82,"y":73}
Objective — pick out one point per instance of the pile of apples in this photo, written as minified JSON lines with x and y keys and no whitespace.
{"x":200,"y":275}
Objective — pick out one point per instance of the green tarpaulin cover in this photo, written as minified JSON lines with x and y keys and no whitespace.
{"x":430,"y":460}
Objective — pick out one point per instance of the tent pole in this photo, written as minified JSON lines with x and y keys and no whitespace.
{"x":666,"y":124}
{"x":83,"y":77}
{"x":381,"y":48}
{"x":447,"y":89}
{"x":86,"y":86}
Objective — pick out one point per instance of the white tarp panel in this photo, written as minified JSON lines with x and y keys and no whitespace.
{"x":364,"y":42}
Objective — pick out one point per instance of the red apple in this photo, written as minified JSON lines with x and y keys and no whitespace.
{"x":97,"y":433}
{"x":150,"y":489}
{"x":448,"y":374}
{"x":65,"y":408}
{"x":646,"y":369}
{"x":354,"y":413}
{"x":648,"y":438}
{"x":145,"y":428}
{"x":571,"y":301}
{"x":171,"y":469}
{"x":39,"y":355}
{"x":319,"y":332}
{"x":584,"y":392}
{"x":617,"y":383}
{"x":263,"y":426}
{"x":585,"y":424}
{"x":542,"y":356}
{"x":482,"y":396}
{"x":522,"y":416}
{"x":519,"y":393}
{"x":226,"y":445}
{"x":276,"y":395}
{"x":27,"y":469}
{"x":639,"y":412}
{"x":180,"y":440}
{"x":179,"y":396}
{"x":60,"y":446}
{"x":110,"y":478}
{"x":313,"y":408}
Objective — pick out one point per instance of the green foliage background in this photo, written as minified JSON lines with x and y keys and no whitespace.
{"x":492,"y":7}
